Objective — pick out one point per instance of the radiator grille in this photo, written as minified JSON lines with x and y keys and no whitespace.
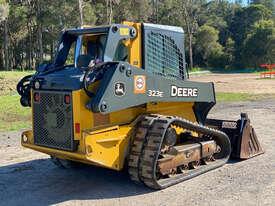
{"x":52,"y":120}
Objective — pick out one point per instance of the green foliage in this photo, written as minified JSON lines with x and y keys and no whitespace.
{"x":266,"y":3}
{"x":243,"y":25}
{"x":209,"y":48}
{"x":259,"y":46}
{"x":89,"y":14}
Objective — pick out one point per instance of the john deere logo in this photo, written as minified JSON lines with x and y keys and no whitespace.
{"x":139,"y":84}
{"x":183,"y":91}
{"x":119,"y":89}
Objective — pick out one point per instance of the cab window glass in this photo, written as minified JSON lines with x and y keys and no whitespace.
{"x":93,"y":46}
{"x":71,"y":54}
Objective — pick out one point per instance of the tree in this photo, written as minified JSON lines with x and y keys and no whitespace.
{"x":218,"y":14}
{"x":167,"y":13}
{"x":81,"y":6}
{"x":259,"y":46}
{"x":135,"y":10}
{"x":4,"y":12}
{"x":229,"y":52}
{"x":208,"y":47}
{"x":189,"y":11}
{"x":271,"y":48}
{"x":268,"y":4}
{"x":109,"y":10}
{"x":242,"y":24}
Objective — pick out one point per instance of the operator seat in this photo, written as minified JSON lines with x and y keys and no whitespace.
{"x":83,"y":61}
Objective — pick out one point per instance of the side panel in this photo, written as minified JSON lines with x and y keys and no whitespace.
{"x":108,"y":147}
{"x":125,"y":86}
{"x":89,"y":121}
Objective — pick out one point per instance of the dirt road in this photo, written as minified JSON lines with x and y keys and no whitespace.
{"x":244,"y":83}
{"x":29,"y":178}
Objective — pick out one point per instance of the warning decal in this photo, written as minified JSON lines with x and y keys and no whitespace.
{"x":139,"y":84}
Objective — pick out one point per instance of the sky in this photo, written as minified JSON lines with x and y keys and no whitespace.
{"x":244,"y":2}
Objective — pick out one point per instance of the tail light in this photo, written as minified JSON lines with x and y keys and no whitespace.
{"x":36,"y":97}
{"x":77,"y":128}
{"x":67,"y":99}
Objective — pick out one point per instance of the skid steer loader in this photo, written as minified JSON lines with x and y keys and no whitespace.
{"x":119,"y":96}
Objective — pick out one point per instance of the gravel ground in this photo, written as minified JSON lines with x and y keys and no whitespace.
{"x":244,"y":83}
{"x":29,"y":178}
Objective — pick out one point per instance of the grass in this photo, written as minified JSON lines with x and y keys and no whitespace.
{"x":235,"y":97}
{"x":9,"y":80}
{"x":197,"y":69}
{"x":12,"y":115}
{"x":240,"y":71}
{"x":14,"y":74}
{"x":226,"y":70}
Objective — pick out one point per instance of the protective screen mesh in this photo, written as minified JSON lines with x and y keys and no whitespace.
{"x":52,"y":120}
{"x":163,"y":56}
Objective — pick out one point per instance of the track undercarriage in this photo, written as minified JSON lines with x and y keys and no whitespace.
{"x":160,"y":157}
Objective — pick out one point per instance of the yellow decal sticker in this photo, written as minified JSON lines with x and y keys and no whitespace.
{"x":124,"y":31}
{"x":139,"y":84}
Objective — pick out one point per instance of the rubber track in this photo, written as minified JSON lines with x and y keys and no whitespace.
{"x":149,"y":145}
{"x":137,"y":146}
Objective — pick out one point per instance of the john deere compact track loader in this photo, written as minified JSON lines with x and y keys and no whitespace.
{"x":119,"y":96}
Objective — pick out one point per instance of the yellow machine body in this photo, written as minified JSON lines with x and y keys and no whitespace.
{"x":107,"y":144}
{"x":104,"y":139}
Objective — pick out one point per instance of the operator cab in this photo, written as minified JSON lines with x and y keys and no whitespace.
{"x":85,"y":47}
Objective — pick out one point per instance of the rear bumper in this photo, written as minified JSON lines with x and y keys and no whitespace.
{"x":26,"y":141}
{"x":96,"y":148}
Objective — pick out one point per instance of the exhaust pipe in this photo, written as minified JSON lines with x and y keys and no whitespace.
{"x":244,"y":141}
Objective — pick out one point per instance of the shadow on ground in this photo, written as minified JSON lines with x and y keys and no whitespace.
{"x":39,"y":181}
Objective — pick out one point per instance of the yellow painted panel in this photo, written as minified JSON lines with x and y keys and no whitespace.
{"x":109,"y":148}
{"x":135,"y":45}
{"x":80,"y":113}
{"x":126,"y":116}
{"x":180,"y":109}
{"x":124,"y":31}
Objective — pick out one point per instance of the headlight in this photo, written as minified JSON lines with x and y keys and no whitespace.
{"x":37,"y":84}
{"x":25,"y":138}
